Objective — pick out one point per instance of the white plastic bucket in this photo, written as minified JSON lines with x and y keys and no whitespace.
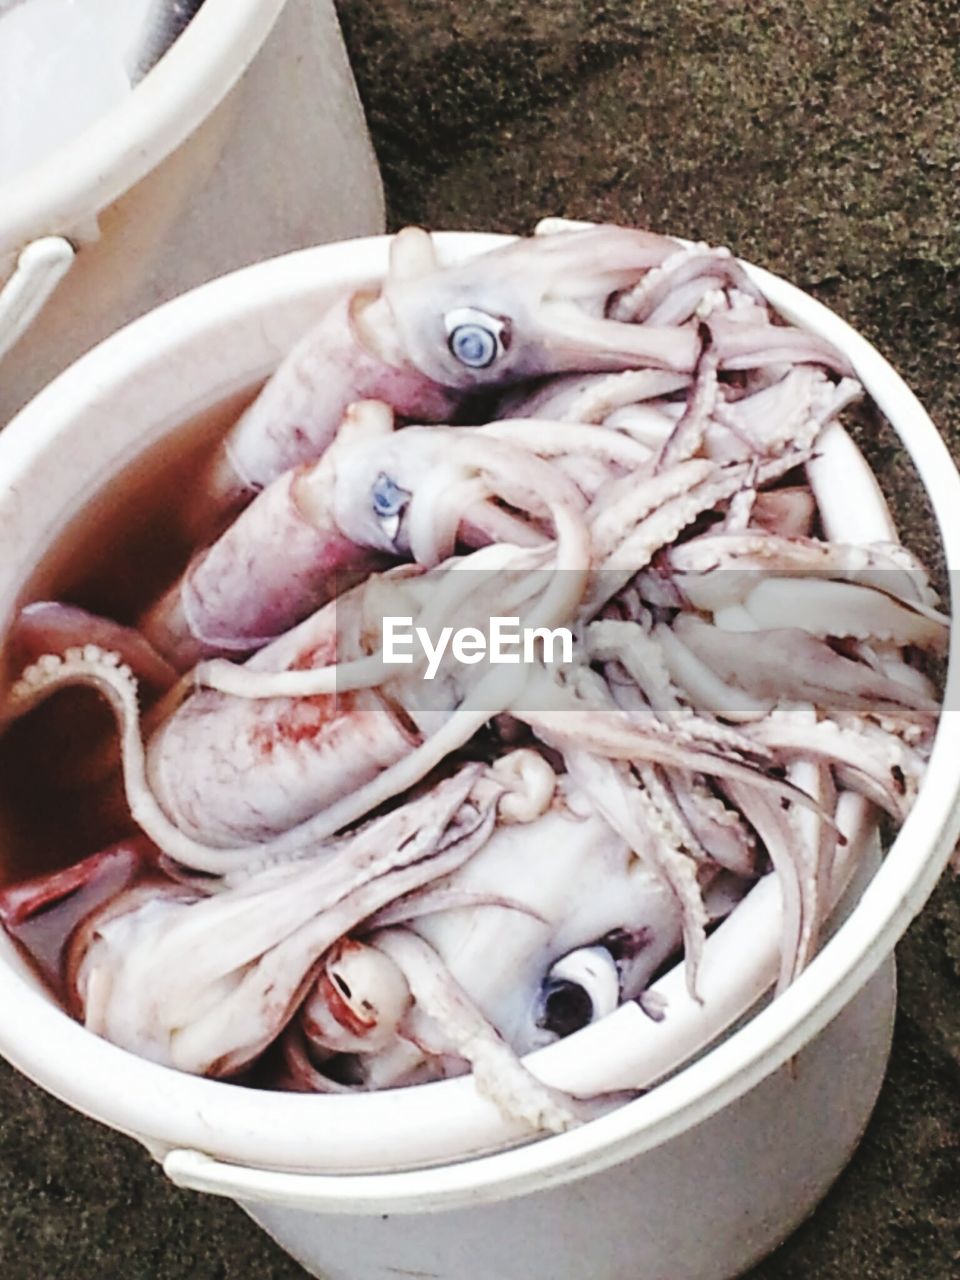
{"x":199,"y":172}
{"x":750,"y":1143}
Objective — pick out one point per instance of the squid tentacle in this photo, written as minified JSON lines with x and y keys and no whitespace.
{"x":497,"y":1070}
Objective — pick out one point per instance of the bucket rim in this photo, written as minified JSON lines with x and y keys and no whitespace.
{"x":64,"y":192}
{"x":168,"y":1109}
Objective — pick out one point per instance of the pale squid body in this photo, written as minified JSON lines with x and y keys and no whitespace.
{"x":232,"y":770}
{"x":204,"y":981}
{"x":574,"y":886}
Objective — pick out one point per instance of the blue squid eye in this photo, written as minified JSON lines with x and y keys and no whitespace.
{"x":473,"y":346}
{"x":389,"y":504}
{"x":388,"y":498}
{"x":474,"y":338}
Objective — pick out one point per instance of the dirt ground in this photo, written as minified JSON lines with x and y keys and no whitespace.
{"x":818,"y":138}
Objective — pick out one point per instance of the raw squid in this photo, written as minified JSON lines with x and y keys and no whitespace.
{"x":354,"y":873}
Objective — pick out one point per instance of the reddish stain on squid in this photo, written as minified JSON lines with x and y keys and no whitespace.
{"x":307,"y":719}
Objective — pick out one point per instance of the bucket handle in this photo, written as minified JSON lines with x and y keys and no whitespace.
{"x":333,"y":1193}
{"x":40,"y":268}
{"x":196,"y":1171}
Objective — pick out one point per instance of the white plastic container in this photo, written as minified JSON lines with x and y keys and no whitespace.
{"x":199,"y":172}
{"x":693,"y":1181}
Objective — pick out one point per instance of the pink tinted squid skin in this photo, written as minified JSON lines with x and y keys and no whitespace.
{"x":431,"y":335}
{"x":377,"y":495}
{"x":284,"y":556}
{"x":315,"y":531}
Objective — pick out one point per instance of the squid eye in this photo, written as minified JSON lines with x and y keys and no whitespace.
{"x":389,"y":504}
{"x":388,"y":498}
{"x":474,"y":346}
{"x":581,"y":988}
{"x":566,"y":1008}
{"x":474,"y":338}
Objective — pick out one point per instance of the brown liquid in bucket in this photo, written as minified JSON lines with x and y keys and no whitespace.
{"x":113,"y":559}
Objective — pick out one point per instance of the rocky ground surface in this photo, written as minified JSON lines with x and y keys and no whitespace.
{"x":818,"y":138}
